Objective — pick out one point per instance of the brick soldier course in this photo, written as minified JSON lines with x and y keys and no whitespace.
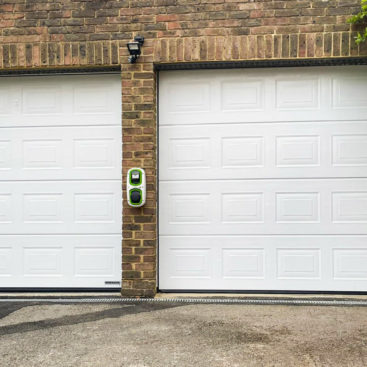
{"x":65,"y":34}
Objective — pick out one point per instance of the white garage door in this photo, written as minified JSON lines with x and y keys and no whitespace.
{"x":263,"y":179}
{"x":60,"y":181}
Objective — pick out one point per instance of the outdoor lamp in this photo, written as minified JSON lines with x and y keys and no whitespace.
{"x":135,"y":48}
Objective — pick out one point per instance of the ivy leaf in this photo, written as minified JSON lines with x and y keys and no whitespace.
{"x":361,"y":17}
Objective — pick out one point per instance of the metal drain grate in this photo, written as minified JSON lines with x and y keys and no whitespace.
{"x":245,"y":301}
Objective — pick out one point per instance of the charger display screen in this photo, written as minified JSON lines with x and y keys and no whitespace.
{"x":135,"y":178}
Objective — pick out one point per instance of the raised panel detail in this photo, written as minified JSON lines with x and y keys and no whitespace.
{"x":186,"y":208}
{"x":94,"y":208}
{"x":43,"y":261}
{"x":193,"y":262}
{"x":41,"y":100}
{"x":5,"y":154}
{"x":91,"y":99}
{"x":6,"y":208}
{"x":189,"y":152}
{"x":244,"y":152}
{"x":242,"y":207}
{"x":92,"y":261}
{"x":42,"y":208}
{"x":297,"y":94}
{"x":297,"y":207}
{"x":4,"y":101}
{"x":94,"y":153}
{"x":350,"y":150}
{"x":6,"y":262}
{"x":350,"y":263}
{"x":42,"y":154}
{"x":243,"y":263}
{"x":188,"y":97}
{"x":350,"y":92}
{"x":349,"y":206}
{"x":299,"y":263}
{"x":297,"y":150}
{"x":242,"y":95}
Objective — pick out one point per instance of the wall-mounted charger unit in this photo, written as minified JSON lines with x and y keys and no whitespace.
{"x":136,"y":187}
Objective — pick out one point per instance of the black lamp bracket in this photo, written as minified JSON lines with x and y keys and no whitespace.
{"x":139,"y":39}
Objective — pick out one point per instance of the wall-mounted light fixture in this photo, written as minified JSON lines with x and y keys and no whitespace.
{"x":135,"y":48}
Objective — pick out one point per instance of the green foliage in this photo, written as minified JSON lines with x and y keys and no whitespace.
{"x":360,"y":18}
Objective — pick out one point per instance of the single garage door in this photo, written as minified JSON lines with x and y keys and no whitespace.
{"x":60,"y":181}
{"x":263,"y":179}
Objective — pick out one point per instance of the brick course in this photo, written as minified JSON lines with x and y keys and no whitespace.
{"x":42,"y":34}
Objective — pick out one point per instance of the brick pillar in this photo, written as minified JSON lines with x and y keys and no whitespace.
{"x":139,"y":129}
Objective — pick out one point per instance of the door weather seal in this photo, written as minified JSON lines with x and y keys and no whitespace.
{"x":274,"y":63}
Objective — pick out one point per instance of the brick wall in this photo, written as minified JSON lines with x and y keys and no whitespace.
{"x":42,"y":33}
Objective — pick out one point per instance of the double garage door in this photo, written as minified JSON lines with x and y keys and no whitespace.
{"x":263,"y":179}
{"x":60,"y":181}
{"x":262,"y":183}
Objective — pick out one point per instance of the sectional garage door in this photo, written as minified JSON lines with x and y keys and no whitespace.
{"x":263,"y":179}
{"x":60,"y":181}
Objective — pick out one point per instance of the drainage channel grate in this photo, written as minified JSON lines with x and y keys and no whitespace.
{"x":246,"y":301}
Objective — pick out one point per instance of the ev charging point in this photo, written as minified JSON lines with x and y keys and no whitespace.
{"x":136,"y":187}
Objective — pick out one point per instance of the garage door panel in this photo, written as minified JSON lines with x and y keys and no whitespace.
{"x":313,"y":149}
{"x":60,"y":181}
{"x":60,"y":100}
{"x":348,"y":91}
{"x":60,"y":153}
{"x":263,"y":263}
{"x":60,"y":261}
{"x":60,"y":207}
{"x":273,"y":95}
{"x":268,"y":206}
{"x":263,"y":179}
{"x":6,"y":95}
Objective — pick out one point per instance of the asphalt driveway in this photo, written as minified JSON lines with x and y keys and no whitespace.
{"x":165,"y":335}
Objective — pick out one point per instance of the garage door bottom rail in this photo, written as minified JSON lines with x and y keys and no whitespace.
{"x":59,"y":290}
{"x":243,"y":292}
